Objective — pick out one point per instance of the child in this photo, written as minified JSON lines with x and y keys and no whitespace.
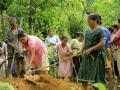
{"x":2,"y":66}
{"x":65,"y":55}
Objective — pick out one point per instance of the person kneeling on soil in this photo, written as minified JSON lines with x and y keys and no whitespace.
{"x":36,"y":52}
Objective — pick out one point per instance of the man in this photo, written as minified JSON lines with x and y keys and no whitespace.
{"x":14,"y":48}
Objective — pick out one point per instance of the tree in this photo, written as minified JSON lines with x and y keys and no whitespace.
{"x":63,"y":16}
{"x":4,"y":4}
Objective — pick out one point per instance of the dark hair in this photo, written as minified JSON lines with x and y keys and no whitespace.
{"x":64,"y":37}
{"x":95,"y":17}
{"x":79,"y":34}
{"x":115,"y":26}
{"x":21,"y":34}
{"x":118,"y":20}
{"x":49,"y":30}
{"x":110,"y":29}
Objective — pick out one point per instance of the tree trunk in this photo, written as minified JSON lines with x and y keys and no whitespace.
{"x":31,"y":17}
{"x":21,"y":21}
{"x":2,"y":22}
{"x":20,"y":11}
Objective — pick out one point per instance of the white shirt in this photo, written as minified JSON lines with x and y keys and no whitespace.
{"x":4,"y":46}
{"x":52,"y":40}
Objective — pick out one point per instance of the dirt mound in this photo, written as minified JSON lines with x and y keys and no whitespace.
{"x":41,"y":82}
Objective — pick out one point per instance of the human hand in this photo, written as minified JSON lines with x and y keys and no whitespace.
{"x":29,"y":66}
{"x":55,"y":55}
{"x":15,"y":47}
{"x":6,"y":40}
{"x":79,"y":53}
{"x":88,"y":51}
{"x":67,"y":53}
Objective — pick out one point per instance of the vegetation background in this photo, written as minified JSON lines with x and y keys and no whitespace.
{"x":63,"y":16}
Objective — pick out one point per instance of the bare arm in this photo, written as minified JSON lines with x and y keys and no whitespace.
{"x":108,"y":54}
{"x":114,"y":40}
{"x":81,"y":48}
{"x":96,"y":47}
{"x":74,"y":47}
{"x":99,"y":45}
{"x":31,"y":56}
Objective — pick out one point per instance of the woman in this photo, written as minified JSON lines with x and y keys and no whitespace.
{"x":114,"y":48}
{"x":116,"y":41}
{"x":51,"y":39}
{"x":36,"y":51}
{"x":76,"y":44}
{"x":50,"y":42}
{"x":93,"y":69}
{"x":65,"y":55}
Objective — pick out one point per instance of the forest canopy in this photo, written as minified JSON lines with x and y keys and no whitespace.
{"x":63,"y":16}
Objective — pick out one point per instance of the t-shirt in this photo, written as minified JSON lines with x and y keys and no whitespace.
{"x":13,"y":39}
{"x":52,"y":40}
{"x":108,"y":37}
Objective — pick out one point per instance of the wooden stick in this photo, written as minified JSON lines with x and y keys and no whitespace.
{"x":47,"y":66}
{"x":57,"y":63}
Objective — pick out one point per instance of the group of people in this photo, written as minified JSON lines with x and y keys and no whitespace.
{"x":89,"y":56}
{"x":24,"y":52}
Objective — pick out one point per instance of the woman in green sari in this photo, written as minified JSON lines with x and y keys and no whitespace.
{"x":93,"y":70}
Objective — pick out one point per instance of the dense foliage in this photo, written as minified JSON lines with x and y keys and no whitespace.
{"x":63,"y":16}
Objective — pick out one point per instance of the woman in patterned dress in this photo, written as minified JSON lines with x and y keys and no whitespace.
{"x":93,"y":70}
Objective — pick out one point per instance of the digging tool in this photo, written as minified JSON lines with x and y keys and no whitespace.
{"x":38,"y":69}
{"x":75,"y":71}
{"x":115,"y":77}
{"x":13,"y":46}
{"x":55,"y":70}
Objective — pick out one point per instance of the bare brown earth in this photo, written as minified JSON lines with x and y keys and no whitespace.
{"x":41,"y":82}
